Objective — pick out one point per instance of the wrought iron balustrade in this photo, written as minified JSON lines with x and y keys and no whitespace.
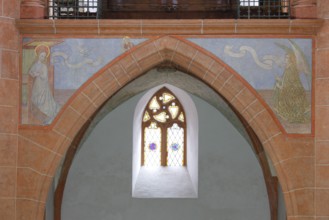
{"x":165,"y":9}
{"x":72,"y":9}
{"x":263,"y":9}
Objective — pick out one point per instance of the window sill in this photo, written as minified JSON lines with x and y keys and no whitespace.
{"x":164,"y":182}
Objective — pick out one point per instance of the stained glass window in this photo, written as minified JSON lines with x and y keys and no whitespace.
{"x":164,"y":131}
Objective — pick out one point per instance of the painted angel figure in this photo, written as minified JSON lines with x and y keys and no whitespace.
{"x":41,"y":96}
{"x":290,"y":100}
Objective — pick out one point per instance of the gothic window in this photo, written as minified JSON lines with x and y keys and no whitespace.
{"x":164,"y":131}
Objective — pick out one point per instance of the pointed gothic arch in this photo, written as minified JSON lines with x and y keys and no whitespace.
{"x":77,"y":113}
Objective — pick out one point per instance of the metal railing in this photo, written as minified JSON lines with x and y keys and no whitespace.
{"x":263,"y":9}
{"x":245,"y":9}
{"x":72,"y":9}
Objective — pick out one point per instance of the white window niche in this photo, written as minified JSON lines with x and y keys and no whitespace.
{"x":166,"y":182}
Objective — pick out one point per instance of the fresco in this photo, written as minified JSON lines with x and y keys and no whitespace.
{"x":53,"y":69}
{"x":280,"y":70}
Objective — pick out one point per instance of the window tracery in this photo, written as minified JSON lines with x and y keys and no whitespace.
{"x":164,"y":131}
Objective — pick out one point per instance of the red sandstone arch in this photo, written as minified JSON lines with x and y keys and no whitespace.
{"x":76,"y":115}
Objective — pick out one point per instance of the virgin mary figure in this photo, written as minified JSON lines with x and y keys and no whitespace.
{"x":41,"y":95}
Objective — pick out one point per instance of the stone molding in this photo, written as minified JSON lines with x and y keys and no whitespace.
{"x":304,"y":3}
{"x":170,"y":27}
{"x":34,"y":3}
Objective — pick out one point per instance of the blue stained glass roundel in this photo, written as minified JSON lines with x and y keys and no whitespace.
{"x":153,"y":146}
{"x":175,"y":147}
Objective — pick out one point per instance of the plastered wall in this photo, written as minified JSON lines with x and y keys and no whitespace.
{"x":231,"y":183}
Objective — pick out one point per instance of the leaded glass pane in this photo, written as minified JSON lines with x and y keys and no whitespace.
{"x":154,"y":105}
{"x":152,"y":145}
{"x":173,"y":109}
{"x":162,"y":117}
{"x":166,"y":97}
{"x":146,"y":117}
{"x":175,"y":145}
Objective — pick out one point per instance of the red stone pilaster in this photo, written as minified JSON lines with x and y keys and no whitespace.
{"x":303,"y":9}
{"x":33,"y":9}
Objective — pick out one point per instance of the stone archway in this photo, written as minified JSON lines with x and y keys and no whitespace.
{"x":33,"y":186}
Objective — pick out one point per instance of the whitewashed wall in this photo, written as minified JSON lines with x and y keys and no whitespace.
{"x":231,"y":185}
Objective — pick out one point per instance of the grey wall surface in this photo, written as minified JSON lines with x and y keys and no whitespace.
{"x":282,"y":215}
{"x":50,"y":203}
{"x":231,"y":185}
